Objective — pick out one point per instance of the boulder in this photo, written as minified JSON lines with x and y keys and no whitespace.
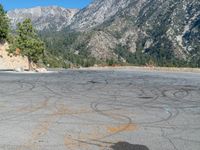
{"x":20,"y":69}
{"x":41,"y":70}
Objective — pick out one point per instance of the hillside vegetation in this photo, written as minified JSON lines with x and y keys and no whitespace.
{"x":25,"y":47}
{"x":138,"y":32}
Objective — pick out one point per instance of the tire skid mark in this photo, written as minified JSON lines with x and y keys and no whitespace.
{"x":24,"y":111}
{"x":108,"y":96}
{"x":43,"y":127}
{"x":94,"y":138}
{"x":122,"y":119}
{"x":169,"y":139}
{"x":86,"y":141}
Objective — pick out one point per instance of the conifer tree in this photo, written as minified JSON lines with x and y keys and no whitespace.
{"x":28,"y":42}
{"x":4,"y":24}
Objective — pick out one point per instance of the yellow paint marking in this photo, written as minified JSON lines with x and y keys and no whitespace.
{"x":122,"y":128}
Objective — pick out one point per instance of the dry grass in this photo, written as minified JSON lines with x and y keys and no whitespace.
{"x":161,"y":69}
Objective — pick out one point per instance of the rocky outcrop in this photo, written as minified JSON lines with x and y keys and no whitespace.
{"x":96,"y":13}
{"x":101,"y":45}
{"x":52,"y":17}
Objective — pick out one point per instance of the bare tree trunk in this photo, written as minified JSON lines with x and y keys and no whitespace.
{"x":30,"y":68}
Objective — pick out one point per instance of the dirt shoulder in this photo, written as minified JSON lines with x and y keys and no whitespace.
{"x":11,"y":62}
{"x":161,"y":69}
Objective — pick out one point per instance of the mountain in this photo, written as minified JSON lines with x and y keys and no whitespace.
{"x":165,"y":28}
{"x":159,"y":28}
{"x":108,"y":25}
{"x":52,"y":17}
{"x":163,"y":32}
{"x":97,"y":12}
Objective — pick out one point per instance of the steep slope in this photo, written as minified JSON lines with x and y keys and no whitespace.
{"x":120,"y":29}
{"x":14,"y":62}
{"x":160,"y":28}
{"x":96,"y":13}
{"x":44,"y":17}
{"x":166,"y":24}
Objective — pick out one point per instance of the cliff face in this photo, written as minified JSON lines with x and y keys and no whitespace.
{"x":52,"y":17}
{"x":7,"y":62}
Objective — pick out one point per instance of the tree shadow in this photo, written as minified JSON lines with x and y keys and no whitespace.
{"x":2,"y":42}
{"x":128,"y":146}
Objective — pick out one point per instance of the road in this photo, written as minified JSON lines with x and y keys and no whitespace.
{"x":100,"y":110}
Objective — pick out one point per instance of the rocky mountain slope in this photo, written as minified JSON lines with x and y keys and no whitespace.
{"x":52,"y":17}
{"x":151,"y":26}
{"x":96,"y":13}
{"x":156,"y":29}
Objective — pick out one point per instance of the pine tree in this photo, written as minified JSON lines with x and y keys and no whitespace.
{"x":4,"y":24}
{"x":28,"y":43}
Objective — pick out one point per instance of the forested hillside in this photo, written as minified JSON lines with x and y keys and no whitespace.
{"x":139,"y":32}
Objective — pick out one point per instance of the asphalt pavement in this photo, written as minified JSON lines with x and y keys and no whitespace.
{"x":100,"y":110}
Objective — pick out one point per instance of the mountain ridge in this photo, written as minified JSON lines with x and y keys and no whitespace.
{"x":43,"y":17}
{"x":156,"y":29}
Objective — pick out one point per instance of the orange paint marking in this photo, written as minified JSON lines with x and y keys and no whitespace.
{"x":122,"y":128}
{"x":43,"y":128}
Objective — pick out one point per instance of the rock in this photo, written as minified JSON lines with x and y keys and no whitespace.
{"x":43,"y":17}
{"x":20,"y":69}
{"x":41,"y":70}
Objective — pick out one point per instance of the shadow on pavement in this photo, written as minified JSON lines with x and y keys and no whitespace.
{"x":128,"y":146}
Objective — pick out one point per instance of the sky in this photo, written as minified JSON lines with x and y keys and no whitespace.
{"x":13,"y":4}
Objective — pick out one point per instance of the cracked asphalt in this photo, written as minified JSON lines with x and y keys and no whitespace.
{"x":100,"y":110}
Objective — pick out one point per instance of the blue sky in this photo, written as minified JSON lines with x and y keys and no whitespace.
{"x":12,"y":4}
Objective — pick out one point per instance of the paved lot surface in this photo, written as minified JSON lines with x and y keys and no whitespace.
{"x":100,"y":110}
